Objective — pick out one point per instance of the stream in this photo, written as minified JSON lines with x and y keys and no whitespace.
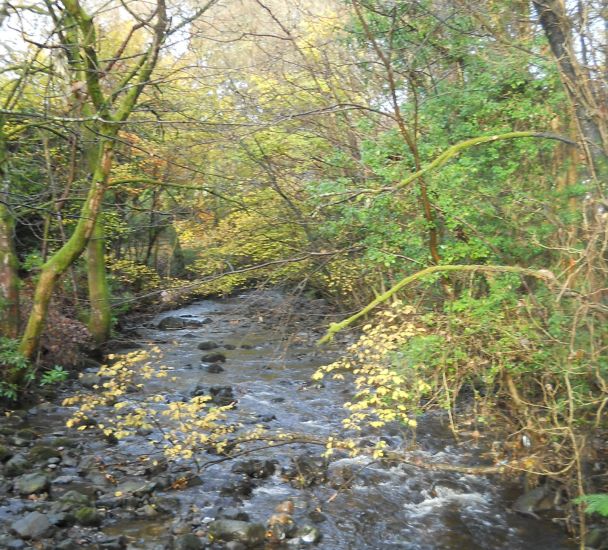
{"x":268,"y":339}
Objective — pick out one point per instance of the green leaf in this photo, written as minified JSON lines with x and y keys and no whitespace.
{"x":595,"y":504}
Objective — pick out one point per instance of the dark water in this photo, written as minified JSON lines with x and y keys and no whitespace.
{"x":382,"y":508}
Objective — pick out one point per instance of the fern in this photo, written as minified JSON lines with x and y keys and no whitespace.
{"x":595,"y":504}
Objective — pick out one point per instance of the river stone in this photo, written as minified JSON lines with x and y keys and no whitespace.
{"x":137,"y":488}
{"x":175,"y":323}
{"x":113,"y":543}
{"x":222,"y":395}
{"x":213,"y":357}
{"x":240,"y":488}
{"x":89,"y":379}
{"x":70,"y":501}
{"x":33,"y":526}
{"x":87,"y":516}
{"x":537,"y":500}
{"x":188,"y":542}
{"x":42,"y":453}
{"x":250,"y":534}
{"x":16,"y":465}
{"x":207,"y":345}
{"x":27,"y":433}
{"x":232,"y":513}
{"x":5,"y":453}
{"x":29,"y":484}
{"x":308,"y":534}
{"x":12,"y":544}
{"x":255,"y":468}
{"x":306,"y":471}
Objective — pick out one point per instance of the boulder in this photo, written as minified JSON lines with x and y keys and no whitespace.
{"x":33,"y":526}
{"x":16,"y":465}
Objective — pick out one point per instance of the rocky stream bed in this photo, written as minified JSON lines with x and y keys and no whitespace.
{"x":66,"y":490}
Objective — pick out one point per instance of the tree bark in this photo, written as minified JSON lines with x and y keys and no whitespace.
{"x":9,"y":279}
{"x":100,"y":319}
{"x":59,"y":262}
{"x":592,"y":117}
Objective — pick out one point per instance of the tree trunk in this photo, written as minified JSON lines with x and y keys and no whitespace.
{"x":61,"y":260}
{"x":592,"y":117}
{"x":100,"y":319}
{"x":9,"y":280}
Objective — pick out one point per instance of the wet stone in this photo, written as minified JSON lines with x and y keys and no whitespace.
{"x":175,"y":323}
{"x":222,"y":395}
{"x":113,"y":543}
{"x":214,"y":357}
{"x":5,"y":453}
{"x":42,"y":453}
{"x":12,"y":544}
{"x":87,"y":516}
{"x":255,"y":468}
{"x":33,"y":526}
{"x":308,"y":534}
{"x":137,"y":488}
{"x":89,"y":379}
{"x":70,"y":501}
{"x":537,"y":500}
{"x":207,"y":345}
{"x":249,"y":534}
{"x":232,"y":513}
{"x":306,"y":471}
{"x":214,"y":368}
{"x":239,"y":488}
{"x":33,"y":483}
{"x":188,"y":541}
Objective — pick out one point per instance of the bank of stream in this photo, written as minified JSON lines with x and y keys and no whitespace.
{"x":65,"y":489}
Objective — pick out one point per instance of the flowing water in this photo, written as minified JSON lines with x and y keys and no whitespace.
{"x":269,"y":364}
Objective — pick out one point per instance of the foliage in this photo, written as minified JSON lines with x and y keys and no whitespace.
{"x":248,"y":238}
{"x":594,"y":504}
{"x":188,"y":426}
{"x":54,"y":376}
{"x":13,"y":365}
{"x":389,"y":387}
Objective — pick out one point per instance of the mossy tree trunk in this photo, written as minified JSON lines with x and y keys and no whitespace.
{"x":100,"y":318}
{"x":61,"y":260}
{"x":80,"y":41}
{"x":9,"y":279}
